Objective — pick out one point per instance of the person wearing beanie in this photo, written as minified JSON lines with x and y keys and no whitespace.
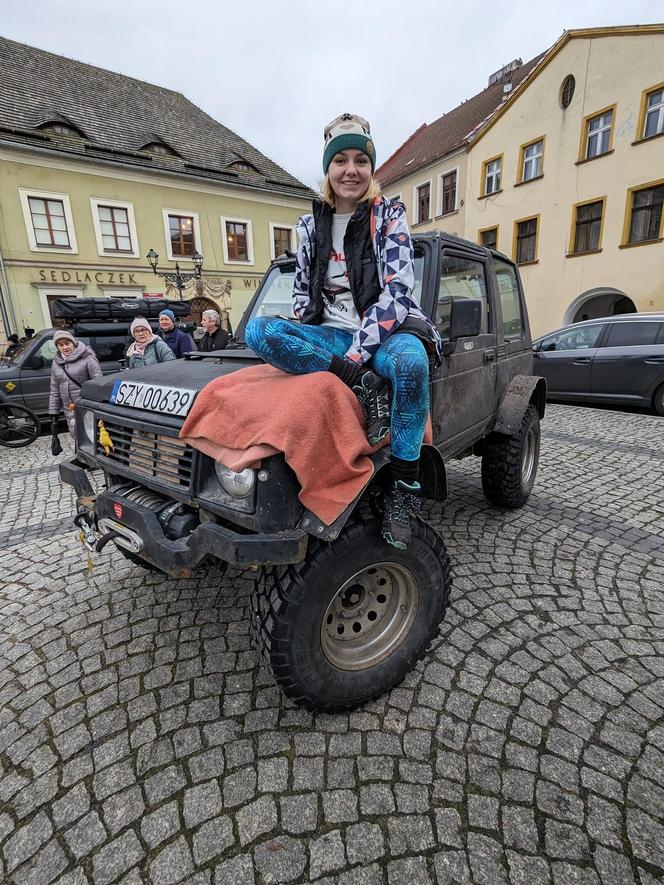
{"x":73,"y":365}
{"x":358,"y":318}
{"x":146,"y":348}
{"x":12,"y":345}
{"x":178,"y":341}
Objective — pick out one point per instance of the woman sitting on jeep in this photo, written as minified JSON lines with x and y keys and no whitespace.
{"x":357,"y":316}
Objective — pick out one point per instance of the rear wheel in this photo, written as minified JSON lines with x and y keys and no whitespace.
{"x":509,"y":463}
{"x":658,"y":400}
{"x":18,"y":426}
{"x":350,"y":621}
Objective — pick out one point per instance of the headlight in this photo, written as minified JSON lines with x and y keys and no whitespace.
{"x":239,"y":485}
{"x":89,"y":425}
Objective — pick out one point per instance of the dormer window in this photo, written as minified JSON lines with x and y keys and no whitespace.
{"x":242,"y":166}
{"x":159,"y":149}
{"x":57,"y":127}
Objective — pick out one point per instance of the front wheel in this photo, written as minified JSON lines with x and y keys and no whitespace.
{"x":18,"y":426}
{"x":509,"y":463}
{"x":350,"y":621}
{"x":658,"y":400}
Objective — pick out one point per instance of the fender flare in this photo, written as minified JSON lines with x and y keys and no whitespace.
{"x":521,"y":392}
{"x":433,"y":476}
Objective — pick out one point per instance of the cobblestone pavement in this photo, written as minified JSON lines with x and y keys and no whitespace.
{"x":140,"y":741}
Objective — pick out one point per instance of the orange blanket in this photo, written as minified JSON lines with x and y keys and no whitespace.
{"x":315,"y":420}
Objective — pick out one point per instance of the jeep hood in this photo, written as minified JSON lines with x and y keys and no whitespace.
{"x":190,"y":374}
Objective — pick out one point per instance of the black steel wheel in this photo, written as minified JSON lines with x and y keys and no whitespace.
{"x":18,"y":426}
{"x":350,"y":621}
{"x":658,"y":400}
{"x":509,"y":463}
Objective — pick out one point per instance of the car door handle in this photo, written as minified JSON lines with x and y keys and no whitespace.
{"x":655,"y":361}
{"x":489,"y":356}
{"x":581,"y":362}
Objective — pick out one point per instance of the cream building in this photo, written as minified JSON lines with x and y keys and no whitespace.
{"x":97,"y":168}
{"x":564,"y":173}
{"x":428,"y":173}
{"x":569,"y":173}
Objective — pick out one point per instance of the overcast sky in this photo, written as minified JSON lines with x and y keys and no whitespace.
{"x":277,"y":72}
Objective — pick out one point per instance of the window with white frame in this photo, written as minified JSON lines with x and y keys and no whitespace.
{"x":237,"y":240}
{"x":492,"y":169}
{"x":532,"y":160}
{"x":182,"y":233}
{"x":448,"y":189}
{"x":281,"y":238}
{"x":654,"y":120}
{"x":598,"y":134}
{"x":115,"y":227}
{"x":48,"y":221}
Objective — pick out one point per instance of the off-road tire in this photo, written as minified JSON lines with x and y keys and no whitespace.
{"x":132,"y":557}
{"x":658,"y":400}
{"x":290,"y":615}
{"x":509,"y":463}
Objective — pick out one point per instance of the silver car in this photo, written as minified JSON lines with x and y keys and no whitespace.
{"x":616,"y":360}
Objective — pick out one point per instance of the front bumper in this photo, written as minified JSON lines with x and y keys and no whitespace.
{"x":179,"y":557}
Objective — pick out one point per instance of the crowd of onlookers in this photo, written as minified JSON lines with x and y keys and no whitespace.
{"x":75,"y":362}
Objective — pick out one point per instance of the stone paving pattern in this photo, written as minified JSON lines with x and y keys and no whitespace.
{"x":141,"y":742}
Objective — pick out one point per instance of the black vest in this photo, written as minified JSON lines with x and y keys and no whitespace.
{"x":360,"y":261}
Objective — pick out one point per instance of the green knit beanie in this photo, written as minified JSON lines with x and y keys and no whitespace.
{"x":348,"y":131}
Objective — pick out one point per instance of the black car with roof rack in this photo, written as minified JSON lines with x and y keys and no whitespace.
{"x":338,"y":615}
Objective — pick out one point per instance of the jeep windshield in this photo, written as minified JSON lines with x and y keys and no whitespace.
{"x":277,"y":290}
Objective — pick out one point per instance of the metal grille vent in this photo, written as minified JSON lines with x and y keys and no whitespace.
{"x":154,"y":455}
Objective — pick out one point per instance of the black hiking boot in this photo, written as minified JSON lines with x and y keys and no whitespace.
{"x":401,"y":500}
{"x":374,"y":396}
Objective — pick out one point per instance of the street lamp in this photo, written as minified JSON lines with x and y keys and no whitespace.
{"x":178,"y":278}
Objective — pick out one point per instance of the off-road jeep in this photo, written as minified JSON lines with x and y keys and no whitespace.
{"x":338,"y":615}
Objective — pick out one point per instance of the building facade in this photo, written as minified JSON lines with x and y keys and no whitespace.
{"x":566,"y":176}
{"x":96,"y":169}
{"x":428,"y":173}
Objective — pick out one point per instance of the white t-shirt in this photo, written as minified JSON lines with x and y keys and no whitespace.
{"x":338,"y":305}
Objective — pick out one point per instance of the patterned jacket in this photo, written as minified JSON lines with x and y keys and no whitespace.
{"x":393,"y":251}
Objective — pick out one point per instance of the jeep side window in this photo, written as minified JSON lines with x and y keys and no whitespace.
{"x":43,"y":357}
{"x":460,"y":278}
{"x":510,"y":303}
{"x":110,"y":348}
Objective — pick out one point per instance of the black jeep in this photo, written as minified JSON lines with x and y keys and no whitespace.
{"x":338,"y":615}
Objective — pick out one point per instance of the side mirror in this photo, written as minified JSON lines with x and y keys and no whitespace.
{"x":465,"y":321}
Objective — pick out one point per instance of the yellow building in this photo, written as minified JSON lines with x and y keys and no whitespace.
{"x":97,"y":168}
{"x":566,"y":175}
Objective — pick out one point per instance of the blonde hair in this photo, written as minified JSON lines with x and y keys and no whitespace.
{"x":326,"y":192}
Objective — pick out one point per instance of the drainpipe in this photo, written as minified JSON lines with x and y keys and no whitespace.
{"x":6,"y":306}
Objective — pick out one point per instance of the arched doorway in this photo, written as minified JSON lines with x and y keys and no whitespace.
{"x":595,"y":303}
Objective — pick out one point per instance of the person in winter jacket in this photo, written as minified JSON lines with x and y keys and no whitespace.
{"x":178,"y":341}
{"x":215,"y":338}
{"x":146,"y":348}
{"x":73,"y":365}
{"x":358,"y":319}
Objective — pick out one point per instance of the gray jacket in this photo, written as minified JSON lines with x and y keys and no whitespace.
{"x":81,"y":365}
{"x":157,"y":351}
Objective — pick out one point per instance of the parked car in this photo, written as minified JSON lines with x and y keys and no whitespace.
{"x":169,"y":507}
{"x":25,"y":377}
{"x":617,"y":360}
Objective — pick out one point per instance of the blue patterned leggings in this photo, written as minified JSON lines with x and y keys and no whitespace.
{"x":402,"y":360}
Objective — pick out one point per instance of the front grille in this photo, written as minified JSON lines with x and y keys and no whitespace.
{"x":154,"y":455}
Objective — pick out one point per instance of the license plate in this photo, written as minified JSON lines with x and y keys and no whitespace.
{"x":152,"y":397}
